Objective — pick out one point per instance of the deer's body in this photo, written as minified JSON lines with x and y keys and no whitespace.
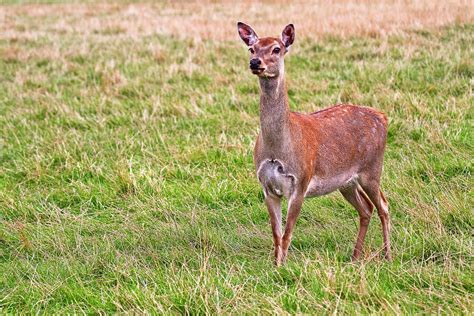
{"x":326,"y":151}
{"x":305,"y":155}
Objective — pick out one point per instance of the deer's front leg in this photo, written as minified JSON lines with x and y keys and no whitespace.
{"x":294,"y":208}
{"x":274,"y":209}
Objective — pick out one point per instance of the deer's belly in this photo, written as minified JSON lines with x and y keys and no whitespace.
{"x":275,"y":179}
{"x":321,"y":186}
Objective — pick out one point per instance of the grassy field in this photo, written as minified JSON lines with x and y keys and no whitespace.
{"x":126,"y":174}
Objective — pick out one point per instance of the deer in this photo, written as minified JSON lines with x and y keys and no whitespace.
{"x":300,"y":156}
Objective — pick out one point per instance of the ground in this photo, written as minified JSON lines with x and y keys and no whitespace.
{"x":126,"y":174}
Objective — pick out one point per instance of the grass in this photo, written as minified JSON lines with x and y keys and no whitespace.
{"x":127,"y":182}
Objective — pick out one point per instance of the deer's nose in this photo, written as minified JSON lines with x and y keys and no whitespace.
{"x":255,"y":63}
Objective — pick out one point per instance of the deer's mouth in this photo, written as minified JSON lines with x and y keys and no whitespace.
{"x":257,"y":71}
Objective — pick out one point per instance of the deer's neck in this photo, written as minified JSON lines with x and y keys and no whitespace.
{"x":274,"y":112}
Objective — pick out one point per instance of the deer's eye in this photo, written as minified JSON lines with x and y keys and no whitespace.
{"x":276,"y":50}
{"x":251,"y":50}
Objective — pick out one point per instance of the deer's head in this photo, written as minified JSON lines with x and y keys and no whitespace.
{"x":266,"y":53}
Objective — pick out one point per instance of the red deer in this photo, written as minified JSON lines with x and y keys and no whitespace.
{"x":298,"y":155}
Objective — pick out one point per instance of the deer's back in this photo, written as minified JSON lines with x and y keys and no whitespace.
{"x":349,"y":129}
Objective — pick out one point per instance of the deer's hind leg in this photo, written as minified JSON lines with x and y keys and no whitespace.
{"x":356,"y":196}
{"x":372,"y":188}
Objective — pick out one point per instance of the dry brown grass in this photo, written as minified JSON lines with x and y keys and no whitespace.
{"x":216,"y":19}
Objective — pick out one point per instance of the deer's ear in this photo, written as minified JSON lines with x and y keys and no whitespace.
{"x":247,"y":34}
{"x":288,"y":35}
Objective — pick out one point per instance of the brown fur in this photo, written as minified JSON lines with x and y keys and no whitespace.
{"x":304,"y":155}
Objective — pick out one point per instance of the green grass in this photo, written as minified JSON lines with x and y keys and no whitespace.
{"x":127,"y":182}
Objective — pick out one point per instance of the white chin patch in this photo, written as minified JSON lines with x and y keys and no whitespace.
{"x":269,"y":75}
